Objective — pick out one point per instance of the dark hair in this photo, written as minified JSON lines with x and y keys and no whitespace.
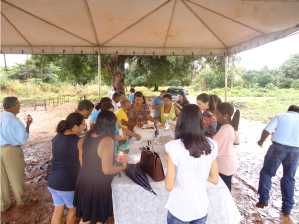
{"x":105,"y":125}
{"x":185,"y":100}
{"x":115,"y":95}
{"x":103,"y":100}
{"x":203,"y":97}
{"x":236,"y":120}
{"x":293,"y":108}
{"x":140,"y":94}
{"x":9,"y":102}
{"x":214,"y":102}
{"x":226,"y":109}
{"x":168,"y":96}
{"x":132,"y":90}
{"x":85,"y":105}
{"x":107,"y":106}
{"x":190,"y":130}
{"x":70,"y":121}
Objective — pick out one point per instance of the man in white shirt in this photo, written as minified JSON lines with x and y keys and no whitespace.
{"x":284,"y":150}
{"x":13,"y":134}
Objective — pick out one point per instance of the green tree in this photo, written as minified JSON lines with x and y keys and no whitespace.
{"x":290,"y":68}
{"x":154,"y":71}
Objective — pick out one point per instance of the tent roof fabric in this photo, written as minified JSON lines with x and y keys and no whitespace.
{"x":144,"y":27}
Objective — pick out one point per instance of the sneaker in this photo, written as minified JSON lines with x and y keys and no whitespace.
{"x":261,"y":204}
{"x":286,"y":219}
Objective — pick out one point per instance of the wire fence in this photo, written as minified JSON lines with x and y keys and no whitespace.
{"x":44,"y":104}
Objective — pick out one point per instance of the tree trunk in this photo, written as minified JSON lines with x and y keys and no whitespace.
{"x":156,"y":88}
{"x":116,"y":67}
{"x":118,"y":82}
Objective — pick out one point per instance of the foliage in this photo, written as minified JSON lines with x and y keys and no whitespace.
{"x":290,"y":68}
{"x":295,"y":84}
{"x":159,"y":70}
{"x":35,"y":89}
{"x":73,"y":68}
{"x":153,"y":71}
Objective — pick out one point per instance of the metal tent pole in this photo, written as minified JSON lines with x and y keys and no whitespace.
{"x":99,"y":75}
{"x":5,"y":65}
{"x":226,"y":65}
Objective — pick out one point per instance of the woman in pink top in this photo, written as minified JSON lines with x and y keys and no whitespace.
{"x":225,"y":137}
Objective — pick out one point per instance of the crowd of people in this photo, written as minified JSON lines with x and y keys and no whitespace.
{"x":92,"y":145}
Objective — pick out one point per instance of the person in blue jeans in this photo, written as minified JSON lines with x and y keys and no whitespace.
{"x":191,"y":162}
{"x":283,"y":150}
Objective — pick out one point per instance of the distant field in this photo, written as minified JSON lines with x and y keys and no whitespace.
{"x":256,"y":104}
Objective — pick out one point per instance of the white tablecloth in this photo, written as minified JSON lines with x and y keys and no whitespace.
{"x":134,"y":205}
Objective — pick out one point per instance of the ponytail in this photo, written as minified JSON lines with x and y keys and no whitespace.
{"x":236,"y":120}
{"x":62,"y":126}
{"x":71,"y":120}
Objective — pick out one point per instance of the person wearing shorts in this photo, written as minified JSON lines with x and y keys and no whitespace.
{"x":65,"y":167}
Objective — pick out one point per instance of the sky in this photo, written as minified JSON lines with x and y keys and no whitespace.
{"x":271,"y":55}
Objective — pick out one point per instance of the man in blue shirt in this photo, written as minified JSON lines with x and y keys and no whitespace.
{"x":156,"y":105}
{"x":13,"y":134}
{"x":284,"y":150}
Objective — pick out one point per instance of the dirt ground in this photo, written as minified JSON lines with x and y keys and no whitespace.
{"x":38,"y":151}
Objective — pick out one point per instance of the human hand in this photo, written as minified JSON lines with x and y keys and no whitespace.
{"x":260,"y":143}
{"x":124,"y":161}
{"x":137,"y":136}
{"x":140,"y":124}
{"x":29,"y":120}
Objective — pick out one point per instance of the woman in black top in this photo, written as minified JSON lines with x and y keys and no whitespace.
{"x":93,"y":196}
{"x":65,"y":167}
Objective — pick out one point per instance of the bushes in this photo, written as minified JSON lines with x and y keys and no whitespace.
{"x":36,"y":89}
{"x":295,"y":84}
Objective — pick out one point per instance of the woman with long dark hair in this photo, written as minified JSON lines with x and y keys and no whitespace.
{"x":227,"y":155}
{"x":93,"y":196}
{"x":65,"y":167}
{"x":139,"y":113}
{"x":190,"y":163}
{"x":180,"y":103}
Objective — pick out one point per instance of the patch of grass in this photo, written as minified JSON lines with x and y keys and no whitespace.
{"x":259,"y":104}
{"x":33,"y":90}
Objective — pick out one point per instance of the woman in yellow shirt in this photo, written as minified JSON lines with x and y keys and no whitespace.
{"x":168,"y":109}
{"x":123,"y":119}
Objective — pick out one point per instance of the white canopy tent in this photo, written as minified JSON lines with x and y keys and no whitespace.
{"x":144,"y":27}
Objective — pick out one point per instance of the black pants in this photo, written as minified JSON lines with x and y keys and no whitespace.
{"x":227,"y":180}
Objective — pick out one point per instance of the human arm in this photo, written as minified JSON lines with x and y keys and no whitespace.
{"x":80,"y":148}
{"x":131,"y":133}
{"x":178,"y":109}
{"x":124,"y":122}
{"x":170,"y":174}
{"x":105,"y":152}
{"x":263,"y":137}
{"x":213,"y":175}
{"x":28,"y":122}
{"x":270,"y":128}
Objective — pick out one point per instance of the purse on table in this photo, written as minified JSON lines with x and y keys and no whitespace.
{"x":151,"y":164}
